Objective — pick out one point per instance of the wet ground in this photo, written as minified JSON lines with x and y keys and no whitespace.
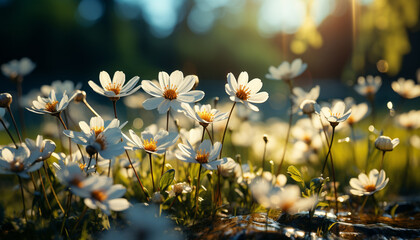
{"x":404,"y":225}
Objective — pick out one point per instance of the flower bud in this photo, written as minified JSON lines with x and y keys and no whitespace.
{"x":385,"y":143}
{"x":91,"y":150}
{"x":157,"y":198}
{"x":308,"y":106}
{"x":80,"y":96}
{"x":5,"y":100}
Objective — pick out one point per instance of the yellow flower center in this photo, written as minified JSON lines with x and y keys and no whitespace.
{"x":97,"y":130}
{"x":370,"y":188}
{"x":101,"y":140}
{"x":150,"y":144}
{"x":307,"y":139}
{"x":336,"y":114}
{"x":82,"y":166}
{"x":114,"y":87}
{"x":202,"y":156}
{"x":243,"y":92}
{"x":16,"y":166}
{"x":99,"y":195}
{"x":286,"y":206}
{"x":206,"y":116}
{"x":51,"y":107}
{"x":170,"y":92}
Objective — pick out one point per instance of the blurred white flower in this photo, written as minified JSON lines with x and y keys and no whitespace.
{"x":368,"y":86}
{"x":70,"y":175}
{"x":19,"y":161}
{"x":409,"y":120}
{"x":286,"y":71}
{"x":135,"y":100}
{"x":75,"y":158}
{"x":206,"y":155}
{"x":204,"y":114}
{"x":245,"y":92}
{"x":336,"y":114}
{"x":115,"y":90}
{"x":99,"y":192}
{"x":173,"y":90}
{"x":145,"y":225}
{"x":385,"y":143}
{"x":358,"y":112}
{"x":229,"y":168}
{"x":179,"y":188}
{"x":305,"y":101}
{"x":51,"y":105}
{"x":61,"y":87}
{"x":40,"y":147}
{"x":151,"y":143}
{"x":368,"y":185}
{"x":193,"y":136}
{"x":16,"y":68}
{"x":406,"y":88}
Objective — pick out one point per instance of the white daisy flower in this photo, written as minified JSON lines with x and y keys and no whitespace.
{"x":288,"y":199}
{"x":406,"y":88}
{"x":385,"y":143}
{"x":286,"y":71}
{"x":105,"y":139}
{"x":151,"y":143}
{"x":368,"y":86}
{"x":206,"y":154}
{"x":245,"y":92}
{"x":171,"y":92}
{"x":367,"y":185}
{"x":19,"y":161}
{"x":51,"y":105}
{"x":98,"y":191}
{"x":204,"y":114}
{"x":305,"y":101}
{"x":70,"y":175}
{"x":44,"y":147}
{"x":336,"y":114}
{"x":115,"y":89}
{"x":358,"y":112}
{"x":409,"y":120}
{"x":179,"y":188}
{"x":228,"y":169}
{"x":76,"y":158}
{"x":193,"y":136}
{"x":16,"y":68}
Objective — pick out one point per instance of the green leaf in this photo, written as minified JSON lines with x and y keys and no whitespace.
{"x":394,"y":208}
{"x":322,"y":204}
{"x":294,"y":173}
{"x":167,"y":179}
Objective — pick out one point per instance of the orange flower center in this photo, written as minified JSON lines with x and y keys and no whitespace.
{"x":114,"y":87}
{"x":99,"y":195}
{"x":370,"y":188}
{"x":243,"y":92}
{"x":370,"y":90}
{"x":97,"y":130}
{"x":202,"y":156}
{"x":100,"y":139}
{"x":287,"y":206}
{"x":16,"y":166}
{"x":150,"y":145}
{"x":307,"y":139}
{"x":206,"y":116}
{"x":82,"y":166}
{"x":76,"y":182}
{"x":336,"y":114}
{"x":51,"y":107}
{"x":170,"y":92}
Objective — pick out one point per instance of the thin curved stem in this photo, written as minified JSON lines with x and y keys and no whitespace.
{"x":328,"y":153}
{"x":151,"y":171}
{"x":363,"y":204}
{"x":23,"y":197}
{"x":43,"y":191}
{"x":90,"y":108}
{"x":210,"y":135}
{"x":14,"y":124}
{"x":8,"y":132}
{"x":114,"y":105}
{"x":197,"y":191}
{"x":289,"y":128}
{"x":226,"y":127}
{"x":382,"y":160}
{"x":164,"y":155}
{"x":264,"y":152}
{"x":52,"y":188}
{"x":137,"y":176}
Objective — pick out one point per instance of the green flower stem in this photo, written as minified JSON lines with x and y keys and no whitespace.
{"x":197,"y":191}
{"x":8,"y":132}
{"x":51,"y":186}
{"x":363,"y":204}
{"x":226,"y":127}
{"x":164,"y":155}
{"x":151,"y":170}
{"x":89,"y":107}
{"x":14,"y":124}
{"x":43,"y":191}
{"x":382,"y":161}
{"x":23,"y":198}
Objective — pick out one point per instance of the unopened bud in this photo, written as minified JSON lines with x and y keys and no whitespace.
{"x":385,"y":143}
{"x":265,"y":138}
{"x":80,"y":96}
{"x":91,"y":150}
{"x":157,"y":198}
{"x":5,"y":100}
{"x":308,"y":106}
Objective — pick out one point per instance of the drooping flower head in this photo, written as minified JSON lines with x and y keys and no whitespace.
{"x":115,"y":89}
{"x":206,"y":154}
{"x":368,"y":86}
{"x":366,"y":185}
{"x":171,"y":92}
{"x":406,"y":88}
{"x":384,"y":143}
{"x":245,"y":92}
{"x":19,"y":161}
{"x":154,"y":143}
{"x":286,"y":71}
{"x":51,"y":105}
{"x":334,"y":115}
{"x":204,"y":114}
